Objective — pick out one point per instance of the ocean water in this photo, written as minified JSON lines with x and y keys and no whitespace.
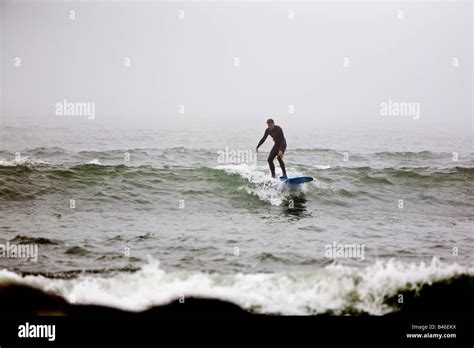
{"x":135,"y":218}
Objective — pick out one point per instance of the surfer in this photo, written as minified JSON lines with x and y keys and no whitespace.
{"x":278,"y":150}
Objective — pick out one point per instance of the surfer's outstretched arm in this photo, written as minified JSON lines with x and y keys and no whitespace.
{"x":263,"y":139}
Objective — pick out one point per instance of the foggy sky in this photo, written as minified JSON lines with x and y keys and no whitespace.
{"x":283,"y":62}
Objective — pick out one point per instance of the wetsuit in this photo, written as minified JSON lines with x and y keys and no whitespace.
{"x":280,"y":145}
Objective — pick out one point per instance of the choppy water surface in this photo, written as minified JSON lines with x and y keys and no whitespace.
{"x":161,"y":209}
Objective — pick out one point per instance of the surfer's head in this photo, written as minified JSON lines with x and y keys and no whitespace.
{"x":270,"y":123}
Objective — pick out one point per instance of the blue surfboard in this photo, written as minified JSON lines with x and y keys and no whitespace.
{"x":297,"y":180}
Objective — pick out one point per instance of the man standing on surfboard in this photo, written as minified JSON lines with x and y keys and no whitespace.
{"x":278,"y":150}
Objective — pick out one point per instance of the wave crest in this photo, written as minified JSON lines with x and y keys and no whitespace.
{"x":334,"y":289}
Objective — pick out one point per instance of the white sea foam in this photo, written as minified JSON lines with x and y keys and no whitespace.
{"x":335,"y":288}
{"x":260,"y":184}
{"x":24,"y":160}
{"x":95,"y":161}
{"x":6,"y":163}
{"x":322,"y":167}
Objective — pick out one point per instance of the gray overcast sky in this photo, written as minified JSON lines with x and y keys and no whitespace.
{"x":283,"y":62}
